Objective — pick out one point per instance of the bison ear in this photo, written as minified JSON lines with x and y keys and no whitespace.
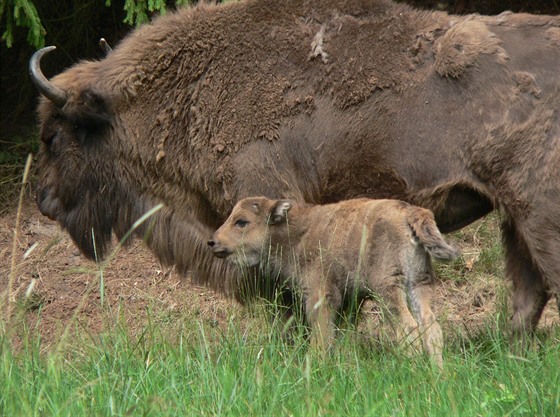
{"x":279,"y":211}
{"x":89,"y":108}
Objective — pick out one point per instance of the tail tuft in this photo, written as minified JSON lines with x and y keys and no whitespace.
{"x":423,"y":226}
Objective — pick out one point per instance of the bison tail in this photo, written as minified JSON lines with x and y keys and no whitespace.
{"x":425,"y":230}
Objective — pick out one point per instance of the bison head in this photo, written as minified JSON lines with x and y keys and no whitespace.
{"x":77,"y":185}
{"x":245,"y":235}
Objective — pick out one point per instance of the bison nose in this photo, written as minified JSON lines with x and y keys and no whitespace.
{"x":49,"y":205}
{"x":211,"y":243}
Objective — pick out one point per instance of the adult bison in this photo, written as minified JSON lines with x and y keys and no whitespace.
{"x":313,"y":100}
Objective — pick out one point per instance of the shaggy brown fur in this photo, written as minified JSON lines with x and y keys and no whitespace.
{"x":319,"y":101}
{"x":337,"y":255}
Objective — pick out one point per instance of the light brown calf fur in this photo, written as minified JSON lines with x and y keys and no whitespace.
{"x":333,"y":252}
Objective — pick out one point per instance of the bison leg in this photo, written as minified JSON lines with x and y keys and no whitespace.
{"x":529,"y":290}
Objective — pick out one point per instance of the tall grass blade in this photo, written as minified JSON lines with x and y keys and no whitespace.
{"x":13,"y":267}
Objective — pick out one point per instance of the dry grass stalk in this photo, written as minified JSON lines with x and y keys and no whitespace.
{"x":13,"y":267}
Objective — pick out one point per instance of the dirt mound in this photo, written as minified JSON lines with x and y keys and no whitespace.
{"x":52,"y":278}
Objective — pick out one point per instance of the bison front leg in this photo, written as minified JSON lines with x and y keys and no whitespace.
{"x":529,"y":290}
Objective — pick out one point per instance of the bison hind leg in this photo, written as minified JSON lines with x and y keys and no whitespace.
{"x":530,"y":294}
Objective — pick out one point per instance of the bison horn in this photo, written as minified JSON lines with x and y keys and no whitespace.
{"x":48,"y":89}
{"x":105,"y":46}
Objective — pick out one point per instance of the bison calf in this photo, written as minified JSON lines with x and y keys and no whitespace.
{"x":356,"y":248}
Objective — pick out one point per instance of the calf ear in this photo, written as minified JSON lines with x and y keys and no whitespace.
{"x":279,"y":211}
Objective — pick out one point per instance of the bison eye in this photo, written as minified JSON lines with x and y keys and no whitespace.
{"x":241,"y":223}
{"x":53,"y":142}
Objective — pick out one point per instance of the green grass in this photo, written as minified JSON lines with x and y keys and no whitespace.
{"x":191,"y":368}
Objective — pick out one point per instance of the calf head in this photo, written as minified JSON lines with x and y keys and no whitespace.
{"x":246,"y":234}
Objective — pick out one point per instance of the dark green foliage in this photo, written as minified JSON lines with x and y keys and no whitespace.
{"x":139,"y":11}
{"x":21,"y":13}
{"x":24,"y":13}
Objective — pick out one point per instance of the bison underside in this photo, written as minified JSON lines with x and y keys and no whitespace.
{"x":454,"y":207}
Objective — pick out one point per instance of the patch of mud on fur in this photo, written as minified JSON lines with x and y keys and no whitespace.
{"x":527,"y":83}
{"x":317,"y":46}
{"x":461,"y":46}
{"x":553,"y":35}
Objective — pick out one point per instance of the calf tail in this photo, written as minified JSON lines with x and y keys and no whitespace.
{"x":424,"y":229}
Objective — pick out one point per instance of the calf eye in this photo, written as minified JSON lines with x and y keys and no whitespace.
{"x":241,"y":223}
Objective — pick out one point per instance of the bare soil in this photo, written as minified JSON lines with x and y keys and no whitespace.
{"x":54,"y":286}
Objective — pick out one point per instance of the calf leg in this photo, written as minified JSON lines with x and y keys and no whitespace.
{"x":419,"y":282}
{"x":321,"y":306}
{"x":404,"y":325}
{"x":419,"y":291}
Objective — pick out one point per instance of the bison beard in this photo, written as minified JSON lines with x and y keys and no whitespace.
{"x":316,"y":101}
